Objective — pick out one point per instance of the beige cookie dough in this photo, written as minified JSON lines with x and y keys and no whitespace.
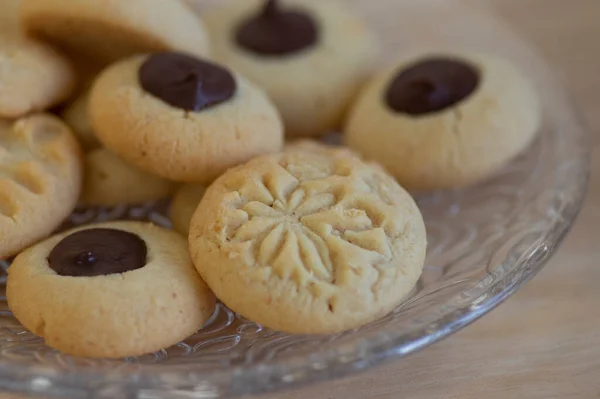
{"x":40,"y":179}
{"x":109,"y":181}
{"x":313,"y":87}
{"x":115,"y":315}
{"x":174,"y":143}
{"x":309,"y":242}
{"x":108,"y":30}
{"x":33,"y":77}
{"x":184,"y":204}
{"x":76,"y":116}
{"x":454,"y":147}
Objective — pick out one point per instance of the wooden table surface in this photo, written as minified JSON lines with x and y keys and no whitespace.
{"x":544,"y":342}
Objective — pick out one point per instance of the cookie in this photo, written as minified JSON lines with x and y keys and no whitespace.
{"x":445,"y":121}
{"x":182,"y":118}
{"x":109,"y":30}
{"x":109,"y":290}
{"x":33,"y":77}
{"x":40,"y":179}
{"x":184,"y":204}
{"x":109,"y":181}
{"x":308,"y":242}
{"x":310,"y":56}
{"x":76,"y":116}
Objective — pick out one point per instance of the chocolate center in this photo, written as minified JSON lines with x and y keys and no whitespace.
{"x":276,"y":32}
{"x":98,"y":252}
{"x":186,"y":82}
{"x":432,"y":85}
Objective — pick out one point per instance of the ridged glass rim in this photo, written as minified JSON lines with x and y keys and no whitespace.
{"x":183,"y":381}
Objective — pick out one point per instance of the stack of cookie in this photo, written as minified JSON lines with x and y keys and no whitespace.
{"x":156,"y":102}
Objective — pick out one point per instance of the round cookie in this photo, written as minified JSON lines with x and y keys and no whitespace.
{"x":310,"y":56}
{"x":182,"y":118}
{"x":110,"y":30}
{"x":308,"y":242}
{"x":40,"y":179}
{"x":33,"y":77}
{"x":445,"y":121}
{"x":109,"y":290}
{"x":76,"y":116}
{"x":184,"y":204}
{"x":109,"y":181}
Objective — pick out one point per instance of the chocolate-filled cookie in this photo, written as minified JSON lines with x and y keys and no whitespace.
{"x":182,"y":118}
{"x":109,"y":290}
{"x":106,"y":31}
{"x":310,"y":56}
{"x":445,"y":120}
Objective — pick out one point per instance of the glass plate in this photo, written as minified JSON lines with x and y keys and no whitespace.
{"x":484,"y":243}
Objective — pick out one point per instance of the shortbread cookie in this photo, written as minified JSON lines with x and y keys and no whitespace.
{"x":40,"y":179}
{"x":182,"y":118}
{"x":110,"y":30}
{"x":109,"y":290}
{"x":310,"y":56}
{"x":445,"y":121}
{"x":184,"y":204}
{"x":308,"y":242}
{"x":76,"y":116}
{"x":109,"y":181}
{"x":33,"y":77}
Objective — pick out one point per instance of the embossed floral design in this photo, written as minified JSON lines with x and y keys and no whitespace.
{"x":308,"y":229}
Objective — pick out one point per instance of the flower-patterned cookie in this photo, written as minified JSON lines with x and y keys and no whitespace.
{"x":308,"y":241}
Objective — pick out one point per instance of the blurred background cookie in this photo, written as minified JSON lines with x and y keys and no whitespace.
{"x":33,"y":76}
{"x":109,"y":290}
{"x":182,"y":118}
{"x":444,"y":121}
{"x":310,"y":56}
{"x":109,"y":30}
{"x":184,"y":204}
{"x":40,"y":169}
{"x":110,"y":181}
{"x":308,"y":242}
{"x":77,"y":117}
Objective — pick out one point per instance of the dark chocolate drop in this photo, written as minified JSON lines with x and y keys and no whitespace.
{"x":98,"y":252}
{"x":277,"y":32}
{"x":186,"y":82}
{"x":431,"y":85}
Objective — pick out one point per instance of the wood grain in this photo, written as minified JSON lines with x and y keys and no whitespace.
{"x":544,"y":342}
